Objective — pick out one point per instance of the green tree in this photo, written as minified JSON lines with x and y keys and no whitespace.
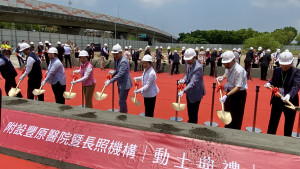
{"x":266,"y":41}
{"x":298,"y":39}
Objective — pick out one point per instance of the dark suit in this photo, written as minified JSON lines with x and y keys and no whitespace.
{"x":249,"y":58}
{"x":291,"y":86}
{"x":265,"y":60}
{"x":175,"y":58}
{"x":213,"y":58}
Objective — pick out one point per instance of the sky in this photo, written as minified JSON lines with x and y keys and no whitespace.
{"x":177,"y":16}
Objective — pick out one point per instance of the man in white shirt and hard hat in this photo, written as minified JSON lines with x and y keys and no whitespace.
{"x":235,"y":88}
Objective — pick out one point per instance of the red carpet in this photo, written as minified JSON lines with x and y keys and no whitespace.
{"x":8,"y":162}
{"x":167,"y":95}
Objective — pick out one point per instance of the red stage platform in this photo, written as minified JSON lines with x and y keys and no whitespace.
{"x":167,"y":95}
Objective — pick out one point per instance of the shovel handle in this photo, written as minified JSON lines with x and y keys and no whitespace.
{"x":18,"y":84}
{"x":71,"y":88}
{"x":41,"y":88}
{"x":102,"y":90}
{"x":179,"y":101}
{"x":281,"y":96}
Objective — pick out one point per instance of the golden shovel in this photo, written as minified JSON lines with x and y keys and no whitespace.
{"x":133,"y":99}
{"x":101,"y":95}
{"x":224,"y":116}
{"x":14,"y":91}
{"x":69,"y":95}
{"x":177,"y":106}
{"x":37,"y":92}
{"x":290,"y":105}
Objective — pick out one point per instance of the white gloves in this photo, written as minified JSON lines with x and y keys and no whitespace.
{"x":138,"y":91}
{"x":286,"y":98}
{"x":73,"y":82}
{"x":267,"y":85}
{"x":220,"y":78}
{"x":43,"y":83}
{"x":223,"y":99}
{"x":76,"y":71}
{"x":180,"y":94}
{"x":137,"y":79}
{"x":107,"y":82}
{"x":182,"y":81}
{"x":112,"y":72}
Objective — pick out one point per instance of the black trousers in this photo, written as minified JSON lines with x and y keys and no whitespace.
{"x":149,"y":106}
{"x":106,"y":57}
{"x":175,"y":66}
{"x":68,"y":59}
{"x":47,"y":59}
{"x":277,"y":107}
{"x":11,"y":83}
{"x":58,"y":91}
{"x":263,"y":72}
{"x":60,"y":58}
{"x":248,"y":68}
{"x":34,"y":84}
{"x":158,"y":64}
{"x":135,"y":65}
{"x":193,"y":109}
{"x":212,"y":68}
{"x":235,"y":104}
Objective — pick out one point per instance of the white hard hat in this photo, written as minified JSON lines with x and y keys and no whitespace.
{"x":239,"y":49}
{"x":189,"y":54}
{"x":19,"y":44}
{"x":175,"y":51}
{"x":251,"y":48}
{"x":234,"y":49}
{"x":227,"y":57}
{"x":161,"y":47}
{"x":220,"y":49}
{"x":31,"y":43}
{"x":105,"y":44}
{"x":215,"y":49}
{"x":260,"y":48}
{"x":126,"y":47}
{"x":287,"y":50}
{"x":196,"y":48}
{"x":201,"y":47}
{"x":58,"y":43}
{"x":169,"y":47}
{"x":130,"y":47}
{"x":140,"y":49}
{"x":24,"y":46}
{"x":46,"y":41}
{"x":88,"y":45}
{"x":83,"y":53}
{"x":268,"y":50}
{"x":116,"y":49}
{"x":147,"y":58}
{"x":40,"y":43}
{"x":50,"y":44}
{"x":286,"y":58}
{"x":183,"y":48}
{"x":207,"y":49}
{"x":53,"y":50}
{"x":278,"y":50}
{"x":148,"y":47}
{"x":156,"y":47}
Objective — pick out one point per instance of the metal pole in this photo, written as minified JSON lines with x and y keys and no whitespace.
{"x":211,"y":123}
{"x":176,"y":118}
{"x":113,"y":97}
{"x":253,"y":129}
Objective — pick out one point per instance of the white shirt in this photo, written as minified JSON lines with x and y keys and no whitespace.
{"x":67,"y":50}
{"x":56,"y":72}
{"x":127,"y":55}
{"x":87,"y":73}
{"x":29,"y":64}
{"x":236,"y":77}
{"x":148,"y":79}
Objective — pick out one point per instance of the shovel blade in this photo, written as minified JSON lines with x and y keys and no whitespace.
{"x":224,"y":116}
{"x":135,"y":101}
{"x":13,"y":92}
{"x":69,"y":96}
{"x":99,"y":96}
{"x":178,"y":107}
{"x":37,"y":92}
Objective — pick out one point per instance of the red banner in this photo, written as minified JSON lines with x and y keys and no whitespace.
{"x":104,"y":146}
